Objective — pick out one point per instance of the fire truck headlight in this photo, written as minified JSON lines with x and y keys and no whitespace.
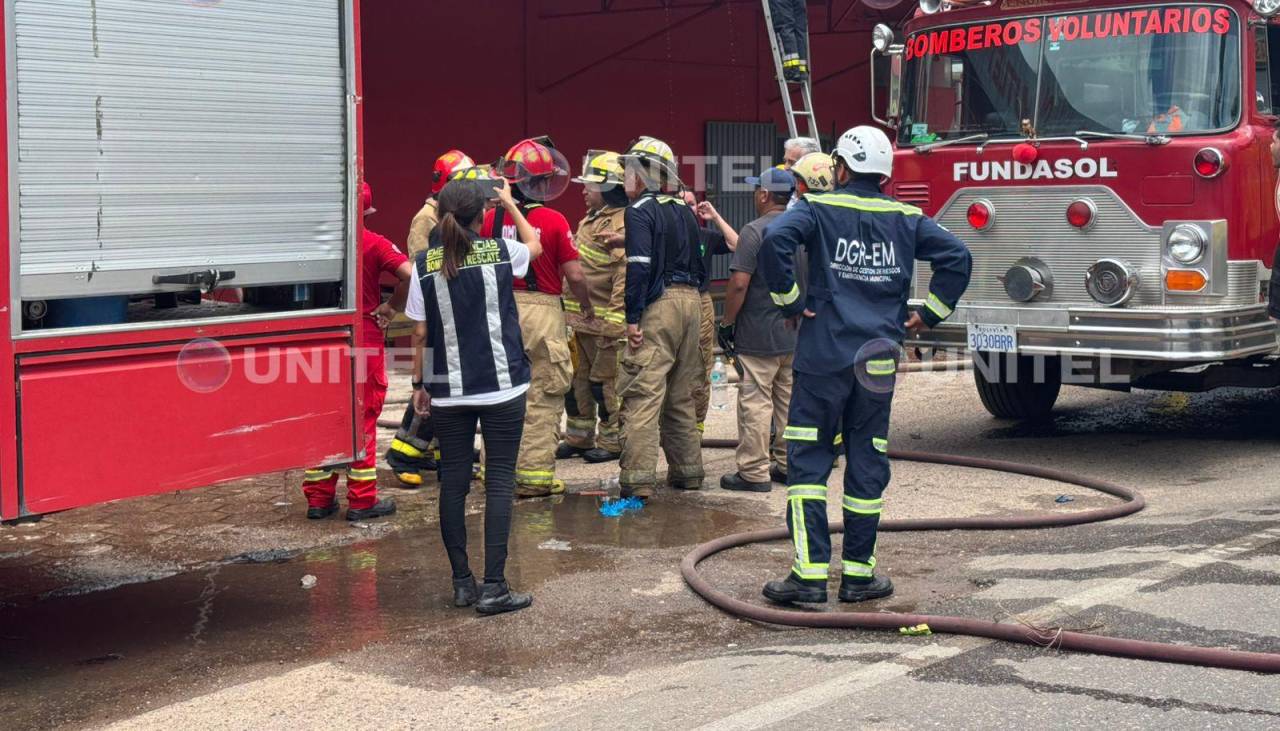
{"x":1111,"y":282}
{"x":1187,"y":242}
{"x":1266,"y":7}
{"x":882,"y":37}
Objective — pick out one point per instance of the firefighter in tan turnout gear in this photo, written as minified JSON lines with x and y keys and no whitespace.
{"x":531,"y":168}
{"x":662,"y":363}
{"x":593,"y":429}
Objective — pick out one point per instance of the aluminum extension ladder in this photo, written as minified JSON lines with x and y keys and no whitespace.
{"x":785,"y":87}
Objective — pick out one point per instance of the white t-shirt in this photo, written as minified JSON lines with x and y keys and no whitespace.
{"x":416,"y":309}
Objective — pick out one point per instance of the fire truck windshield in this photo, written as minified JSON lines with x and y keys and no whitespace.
{"x":1140,"y":71}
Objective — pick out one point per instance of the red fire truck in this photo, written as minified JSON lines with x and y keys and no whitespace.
{"x":180,"y":207}
{"x":1108,"y":164}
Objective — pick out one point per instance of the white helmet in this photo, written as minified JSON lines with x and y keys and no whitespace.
{"x":866,"y":149}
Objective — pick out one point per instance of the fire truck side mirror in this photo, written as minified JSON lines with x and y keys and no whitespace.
{"x":882,"y":45}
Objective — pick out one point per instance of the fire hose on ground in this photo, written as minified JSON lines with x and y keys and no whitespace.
{"x":1017,"y":632}
{"x":1021,"y":633}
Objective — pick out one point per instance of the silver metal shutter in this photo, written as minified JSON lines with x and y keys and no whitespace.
{"x":168,"y":136}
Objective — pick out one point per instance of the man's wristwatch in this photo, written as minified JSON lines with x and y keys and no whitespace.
{"x":419,"y":385}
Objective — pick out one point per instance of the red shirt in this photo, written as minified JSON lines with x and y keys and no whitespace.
{"x":557,"y":246}
{"x":378,"y":256}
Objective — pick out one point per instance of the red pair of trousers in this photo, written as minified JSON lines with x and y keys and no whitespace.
{"x":321,"y":485}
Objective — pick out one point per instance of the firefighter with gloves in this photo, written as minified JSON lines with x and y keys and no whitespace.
{"x":862,"y":246}
{"x":594,"y":395}
{"x":662,"y":364}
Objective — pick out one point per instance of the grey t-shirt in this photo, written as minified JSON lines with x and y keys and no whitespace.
{"x":762,"y":330}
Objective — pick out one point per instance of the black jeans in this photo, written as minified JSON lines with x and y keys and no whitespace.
{"x":501,"y":426}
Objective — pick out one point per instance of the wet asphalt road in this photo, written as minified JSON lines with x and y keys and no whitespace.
{"x":616,"y":640}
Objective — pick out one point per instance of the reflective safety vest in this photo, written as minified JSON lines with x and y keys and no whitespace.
{"x":473,"y":326}
{"x":605,"y":271}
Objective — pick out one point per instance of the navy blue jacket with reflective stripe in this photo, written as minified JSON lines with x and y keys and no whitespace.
{"x":862,"y":248}
{"x":663,"y":247}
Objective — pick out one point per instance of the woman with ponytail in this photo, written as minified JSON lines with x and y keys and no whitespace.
{"x":473,"y":369}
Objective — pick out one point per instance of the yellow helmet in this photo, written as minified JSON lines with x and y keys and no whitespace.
{"x":656,"y":155}
{"x":817,"y":171}
{"x":601,"y":167}
{"x":475,"y":172}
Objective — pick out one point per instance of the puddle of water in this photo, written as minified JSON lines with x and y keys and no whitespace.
{"x":68,"y":658}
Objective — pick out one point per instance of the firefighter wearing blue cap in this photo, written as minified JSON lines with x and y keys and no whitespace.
{"x":862,"y":246}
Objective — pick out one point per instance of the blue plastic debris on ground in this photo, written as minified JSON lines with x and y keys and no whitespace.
{"x":615,"y":508}
{"x":1064,"y":499}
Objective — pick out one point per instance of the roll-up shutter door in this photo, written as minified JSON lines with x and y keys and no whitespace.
{"x":736,"y":150}
{"x":163,"y":137}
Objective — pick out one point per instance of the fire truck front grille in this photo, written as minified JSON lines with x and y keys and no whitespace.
{"x":1032,"y":222}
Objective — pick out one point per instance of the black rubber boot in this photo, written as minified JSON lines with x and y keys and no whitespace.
{"x":465,"y":592}
{"x":878,"y":588}
{"x":322,"y":513}
{"x":684,"y":483}
{"x":736,"y":483}
{"x":597,"y":455}
{"x":791,"y":591}
{"x":568,"y":451}
{"x":381,"y":509}
{"x":777,"y":475}
{"x":498,"y":599}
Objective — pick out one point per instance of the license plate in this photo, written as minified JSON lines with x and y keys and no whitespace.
{"x":993,"y":338}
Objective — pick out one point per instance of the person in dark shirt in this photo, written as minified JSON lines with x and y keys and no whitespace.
{"x":660,"y":366}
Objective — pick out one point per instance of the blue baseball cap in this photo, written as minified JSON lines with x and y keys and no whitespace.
{"x":774,"y":180}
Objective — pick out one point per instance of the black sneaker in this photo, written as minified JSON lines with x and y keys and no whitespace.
{"x":597,"y":455}
{"x":777,"y":475}
{"x":568,"y":451}
{"x":791,"y":591}
{"x":314,"y":513}
{"x":465,"y":592}
{"x":498,"y":598}
{"x":736,"y":483}
{"x":382,"y":509}
{"x":878,"y":588}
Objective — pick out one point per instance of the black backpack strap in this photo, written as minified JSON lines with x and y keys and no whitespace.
{"x":499,"y":223}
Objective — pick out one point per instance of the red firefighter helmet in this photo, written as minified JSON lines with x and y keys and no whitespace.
{"x":530,"y":159}
{"x":445,"y":165}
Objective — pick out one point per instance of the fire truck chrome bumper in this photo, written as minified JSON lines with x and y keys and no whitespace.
{"x":1149,"y":334}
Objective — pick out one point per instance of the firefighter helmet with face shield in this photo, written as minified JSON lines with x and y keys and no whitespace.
{"x":601,"y":168}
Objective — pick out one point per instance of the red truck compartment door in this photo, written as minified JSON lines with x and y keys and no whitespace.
{"x":116,"y":423}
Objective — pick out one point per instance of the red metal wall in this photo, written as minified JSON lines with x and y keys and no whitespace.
{"x":480,"y":75}
{"x":8,"y":397}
